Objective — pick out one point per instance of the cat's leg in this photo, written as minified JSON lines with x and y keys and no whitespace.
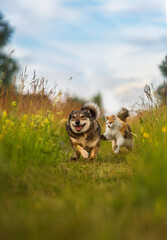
{"x":129,"y":144}
{"x":119,"y":143}
{"x":113,"y":144}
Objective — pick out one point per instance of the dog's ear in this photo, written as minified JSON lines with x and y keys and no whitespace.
{"x":87,"y":111}
{"x":71,"y":115}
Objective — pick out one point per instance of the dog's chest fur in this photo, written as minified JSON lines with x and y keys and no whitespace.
{"x":89,"y":139}
{"x":84,"y":141}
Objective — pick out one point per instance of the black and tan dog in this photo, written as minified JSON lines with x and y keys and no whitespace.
{"x":84,"y":131}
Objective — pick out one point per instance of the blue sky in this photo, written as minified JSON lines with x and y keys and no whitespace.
{"x":108,"y":46}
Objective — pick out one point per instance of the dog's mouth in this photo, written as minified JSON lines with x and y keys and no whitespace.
{"x":79,"y":127}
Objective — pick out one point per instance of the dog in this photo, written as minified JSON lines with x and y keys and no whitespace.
{"x":118,"y":131}
{"x":84,"y":131}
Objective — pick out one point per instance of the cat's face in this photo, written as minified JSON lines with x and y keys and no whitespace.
{"x":111,"y":121}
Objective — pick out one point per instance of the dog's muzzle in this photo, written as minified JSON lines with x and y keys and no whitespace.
{"x":78,"y":126}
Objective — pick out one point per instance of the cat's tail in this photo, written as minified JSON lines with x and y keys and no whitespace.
{"x":123,"y":114}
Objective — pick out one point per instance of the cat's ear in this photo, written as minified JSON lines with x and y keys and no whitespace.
{"x":113,"y":117}
{"x":106,"y":118}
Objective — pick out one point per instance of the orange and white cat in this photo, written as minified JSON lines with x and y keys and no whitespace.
{"x":118,"y":132}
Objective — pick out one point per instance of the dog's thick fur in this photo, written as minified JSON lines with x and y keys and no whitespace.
{"x":84,"y":131}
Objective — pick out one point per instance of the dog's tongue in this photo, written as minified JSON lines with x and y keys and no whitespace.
{"x":78,"y":128}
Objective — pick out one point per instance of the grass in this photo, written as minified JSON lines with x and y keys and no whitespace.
{"x":45,"y":195}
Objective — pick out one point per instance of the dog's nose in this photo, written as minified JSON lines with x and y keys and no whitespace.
{"x":77,"y":122}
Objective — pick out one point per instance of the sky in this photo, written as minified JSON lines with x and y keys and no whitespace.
{"x":109,"y":46}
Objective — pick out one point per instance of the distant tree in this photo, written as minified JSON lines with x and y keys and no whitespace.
{"x":97,"y":99}
{"x":163,"y":67}
{"x":8,"y":65}
{"x":162,"y":89}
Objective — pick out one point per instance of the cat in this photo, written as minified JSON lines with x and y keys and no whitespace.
{"x":119,"y":132}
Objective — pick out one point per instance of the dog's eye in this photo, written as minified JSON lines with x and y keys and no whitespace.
{"x":73,"y":117}
{"x":82,"y":117}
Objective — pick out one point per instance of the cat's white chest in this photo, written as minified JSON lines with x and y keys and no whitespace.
{"x":112,"y":133}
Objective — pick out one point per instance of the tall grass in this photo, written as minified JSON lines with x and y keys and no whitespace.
{"x":45,"y":195}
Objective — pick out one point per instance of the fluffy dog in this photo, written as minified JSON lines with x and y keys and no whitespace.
{"x":84,"y":131}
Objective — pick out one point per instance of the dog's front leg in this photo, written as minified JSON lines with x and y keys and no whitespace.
{"x":81,"y":151}
{"x":94,"y":152}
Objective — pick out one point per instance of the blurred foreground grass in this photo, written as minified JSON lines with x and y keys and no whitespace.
{"x":43,"y":195}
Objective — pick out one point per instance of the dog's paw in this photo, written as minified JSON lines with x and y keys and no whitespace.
{"x":85,"y":154}
{"x":91,"y":158}
{"x":73,"y":159}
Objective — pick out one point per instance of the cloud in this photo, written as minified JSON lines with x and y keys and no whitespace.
{"x":131,"y":5}
{"x":109,"y":46}
{"x":125,"y":88}
{"x":42,"y":9}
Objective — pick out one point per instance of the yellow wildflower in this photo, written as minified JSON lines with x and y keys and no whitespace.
{"x":59,"y":113}
{"x":51,"y":117}
{"x":59,"y":94}
{"x":13,"y":104}
{"x":32,"y":124}
{"x":24,"y":118}
{"x":9,"y":123}
{"x":46,"y":121}
{"x":146,"y":135}
{"x":12,"y":124}
{"x":142,"y":129}
{"x":164,"y":129}
{"x":4,"y":114}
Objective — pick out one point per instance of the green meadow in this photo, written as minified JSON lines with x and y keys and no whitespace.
{"x":45,"y":195}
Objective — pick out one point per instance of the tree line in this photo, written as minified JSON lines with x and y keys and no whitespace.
{"x":8,"y":65}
